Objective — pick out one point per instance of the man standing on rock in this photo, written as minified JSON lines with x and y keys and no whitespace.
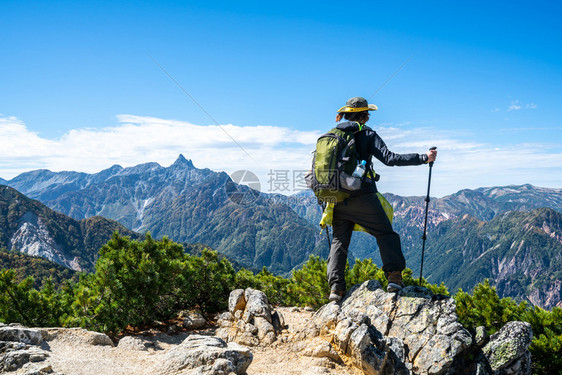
{"x":363,"y":206}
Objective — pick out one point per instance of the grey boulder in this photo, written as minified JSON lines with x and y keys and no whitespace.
{"x":207,"y":355}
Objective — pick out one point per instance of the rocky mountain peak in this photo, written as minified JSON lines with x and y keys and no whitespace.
{"x":182,"y":162}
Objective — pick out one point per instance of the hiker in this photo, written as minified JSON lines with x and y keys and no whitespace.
{"x":363,"y":207}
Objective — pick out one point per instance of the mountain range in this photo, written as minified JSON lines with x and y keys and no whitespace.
{"x":186,"y":204}
{"x":471,"y":234}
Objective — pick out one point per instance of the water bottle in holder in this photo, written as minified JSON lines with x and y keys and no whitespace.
{"x":360,"y":169}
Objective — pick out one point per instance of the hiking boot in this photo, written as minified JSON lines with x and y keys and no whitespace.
{"x":336,"y":295}
{"x":395,"y":283}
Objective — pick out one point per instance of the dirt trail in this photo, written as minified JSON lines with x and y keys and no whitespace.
{"x":71,"y":356}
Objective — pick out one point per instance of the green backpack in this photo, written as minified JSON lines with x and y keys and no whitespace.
{"x":333,"y":164}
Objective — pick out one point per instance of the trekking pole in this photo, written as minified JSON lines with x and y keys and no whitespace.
{"x":427,"y":199}
{"x":323,"y":205}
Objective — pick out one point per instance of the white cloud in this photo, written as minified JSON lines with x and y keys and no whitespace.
{"x":515,"y":106}
{"x":137,"y":139}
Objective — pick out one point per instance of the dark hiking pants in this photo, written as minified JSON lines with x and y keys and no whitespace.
{"x":365,"y":210}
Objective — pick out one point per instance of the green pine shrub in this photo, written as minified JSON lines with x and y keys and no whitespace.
{"x":135,"y":283}
{"x":485,"y":308}
{"x":22,"y":303}
{"x":246,"y":279}
{"x":309,"y":286}
{"x":362,"y":271}
{"x":209,"y":282}
{"x":274,"y":287}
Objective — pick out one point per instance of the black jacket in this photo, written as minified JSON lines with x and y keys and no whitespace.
{"x":369,"y":144}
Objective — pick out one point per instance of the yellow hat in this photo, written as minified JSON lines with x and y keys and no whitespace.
{"x":357,"y":104}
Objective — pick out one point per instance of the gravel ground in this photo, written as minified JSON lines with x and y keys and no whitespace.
{"x":71,"y":353}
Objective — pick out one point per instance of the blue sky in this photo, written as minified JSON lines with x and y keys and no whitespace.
{"x":79,"y":89}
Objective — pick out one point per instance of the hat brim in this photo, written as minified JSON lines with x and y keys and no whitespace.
{"x":371,"y":107}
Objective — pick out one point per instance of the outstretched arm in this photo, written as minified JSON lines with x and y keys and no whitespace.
{"x":378,"y":149}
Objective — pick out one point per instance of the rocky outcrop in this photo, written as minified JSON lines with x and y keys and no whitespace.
{"x":412,"y":332}
{"x":250,"y":319}
{"x":17,"y":333}
{"x":33,"y":238}
{"x":25,"y":350}
{"x":207,"y":355}
{"x":19,"y":349}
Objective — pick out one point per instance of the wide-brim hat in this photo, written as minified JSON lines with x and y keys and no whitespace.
{"x":357,"y":104}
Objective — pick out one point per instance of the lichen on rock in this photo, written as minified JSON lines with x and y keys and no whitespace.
{"x":508,"y":348}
